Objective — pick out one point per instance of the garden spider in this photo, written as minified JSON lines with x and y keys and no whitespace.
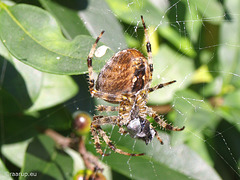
{"x":125,"y":80}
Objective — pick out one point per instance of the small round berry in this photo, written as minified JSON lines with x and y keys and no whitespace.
{"x":81,"y":123}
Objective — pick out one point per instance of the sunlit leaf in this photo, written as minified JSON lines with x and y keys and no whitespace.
{"x":131,"y":10}
{"x":15,"y":152}
{"x":63,"y":11}
{"x":168,"y":66}
{"x":4,"y":173}
{"x":87,"y":18}
{"x":211,"y":11}
{"x":33,"y":36}
{"x":229,"y":50}
{"x":55,"y":89}
{"x":181,"y":43}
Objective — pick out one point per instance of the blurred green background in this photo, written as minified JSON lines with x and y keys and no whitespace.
{"x":43,"y":51}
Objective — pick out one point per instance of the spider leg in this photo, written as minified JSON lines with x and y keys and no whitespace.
{"x":95,"y":125}
{"x":89,"y":63}
{"x":109,"y":97}
{"x":163,"y":123}
{"x":97,"y":142}
{"x":106,"y":120}
{"x":160,"y":86}
{"x":149,"y":50}
{"x":157,"y":135}
{"x":122,"y":130}
{"x":101,"y":120}
{"x":96,"y":129}
{"x":107,"y":108}
{"x":111,"y":145}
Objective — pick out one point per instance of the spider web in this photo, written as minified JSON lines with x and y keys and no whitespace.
{"x":194,"y":105}
{"x":185,"y":106}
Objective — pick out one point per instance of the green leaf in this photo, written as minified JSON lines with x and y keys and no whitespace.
{"x":193,"y":21}
{"x":212,"y":11}
{"x":168,"y":66}
{"x":33,"y":88}
{"x":198,"y":144}
{"x":230,"y":109}
{"x":193,"y":110}
{"x":232,"y":99}
{"x":160,"y":162}
{"x":33,"y":36}
{"x":195,"y":113}
{"x":181,"y":43}
{"x":46,"y":161}
{"x":57,"y":118}
{"x":130,"y":11}
{"x":15,"y":152}
{"x":55,"y":89}
{"x":226,"y":143}
{"x":33,"y":79}
{"x":18,"y":128}
{"x":11,"y":106}
{"x":87,"y":18}
{"x":4,"y":173}
{"x":22,"y":81}
{"x":230,"y":114}
{"x":99,"y":17}
{"x":13,"y":81}
{"x":229,"y":50}
{"x":69,"y":8}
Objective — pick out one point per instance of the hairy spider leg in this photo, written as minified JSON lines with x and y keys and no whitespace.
{"x":163,"y":123}
{"x":107,"y":108}
{"x":89,"y":63}
{"x":111,"y":145}
{"x":149,"y":51}
{"x":97,"y":121}
{"x":158,"y":137}
{"x":101,"y":120}
{"x":95,"y":129}
{"x":97,"y":142}
{"x":160,"y":86}
{"x":115,"y":118}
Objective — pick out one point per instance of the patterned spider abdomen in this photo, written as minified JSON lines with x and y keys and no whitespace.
{"x":140,"y":128}
{"x":126,"y":72}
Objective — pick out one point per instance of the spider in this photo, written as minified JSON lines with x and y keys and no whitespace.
{"x":125,"y":80}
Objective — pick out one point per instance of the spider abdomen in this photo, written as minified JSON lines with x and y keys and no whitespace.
{"x":126,"y":72}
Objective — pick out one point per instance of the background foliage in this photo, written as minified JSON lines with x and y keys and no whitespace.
{"x":43,"y":50}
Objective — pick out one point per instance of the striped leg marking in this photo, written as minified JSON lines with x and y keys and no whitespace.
{"x":149,"y":50}
{"x":107,"y":108}
{"x":89,"y":63}
{"x":164,"y":124}
{"x":160,"y":86}
{"x":111,"y":145}
{"x":101,"y":120}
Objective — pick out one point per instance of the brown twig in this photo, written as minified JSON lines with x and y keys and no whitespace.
{"x":58,"y":138}
{"x":90,"y":161}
